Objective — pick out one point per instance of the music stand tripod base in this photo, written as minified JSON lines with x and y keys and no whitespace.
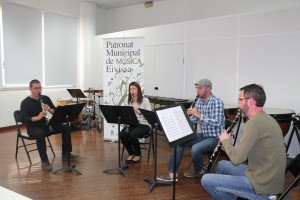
{"x":119,"y":169}
{"x":154,"y":182}
{"x":68,"y":168}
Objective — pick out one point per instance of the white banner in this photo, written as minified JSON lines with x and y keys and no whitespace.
{"x":123,"y":63}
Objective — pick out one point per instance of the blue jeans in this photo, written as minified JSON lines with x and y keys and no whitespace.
{"x":206,"y":145}
{"x":199,"y":146}
{"x":230,"y":182}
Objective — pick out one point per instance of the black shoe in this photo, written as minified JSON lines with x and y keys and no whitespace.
{"x":128,"y":161}
{"x":137,"y":160}
{"x":46,"y":166}
{"x":73,"y":156}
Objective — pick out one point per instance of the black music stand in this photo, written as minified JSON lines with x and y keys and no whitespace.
{"x":65,"y":114}
{"x":178,"y":128}
{"x":119,"y":115}
{"x":151,"y":118}
{"x":76,"y":93}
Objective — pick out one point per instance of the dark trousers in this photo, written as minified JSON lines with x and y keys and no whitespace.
{"x":130,"y":138}
{"x":39,"y":134}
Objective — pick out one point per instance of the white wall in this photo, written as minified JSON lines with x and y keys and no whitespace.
{"x":233,"y":51}
{"x":174,"y":11}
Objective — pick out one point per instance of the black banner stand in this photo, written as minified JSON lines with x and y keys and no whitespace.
{"x":76,"y":93}
{"x":151,"y":118}
{"x":119,"y":115}
{"x":65,"y":114}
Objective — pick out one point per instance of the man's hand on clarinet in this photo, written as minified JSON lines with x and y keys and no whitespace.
{"x":194,"y":112}
{"x":224,"y":135}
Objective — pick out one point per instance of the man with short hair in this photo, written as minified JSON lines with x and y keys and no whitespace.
{"x":261,"y":144}
{"x":34,"y":110}
{"x":208,"y":113}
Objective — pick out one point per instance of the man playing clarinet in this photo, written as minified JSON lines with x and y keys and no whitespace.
{"x":261,"y":145}
{"x":34,"y":110}
{"x":208,"y":114}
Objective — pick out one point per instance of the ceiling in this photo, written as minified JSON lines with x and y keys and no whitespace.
{"x":110,"y":4}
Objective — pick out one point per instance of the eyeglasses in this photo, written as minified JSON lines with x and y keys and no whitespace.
{"x":240,"y":100}
{"x":37,"y":88}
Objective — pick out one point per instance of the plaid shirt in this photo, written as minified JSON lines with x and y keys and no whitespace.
{"x":212,"y":119}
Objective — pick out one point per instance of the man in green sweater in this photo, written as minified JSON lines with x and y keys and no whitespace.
{"x":261,"y":145}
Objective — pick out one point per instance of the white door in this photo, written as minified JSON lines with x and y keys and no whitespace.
{"x":164,"y":70}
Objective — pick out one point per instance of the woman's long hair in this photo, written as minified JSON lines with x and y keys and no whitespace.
{"x":140,"y":95}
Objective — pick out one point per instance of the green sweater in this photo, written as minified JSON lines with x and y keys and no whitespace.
{"x":262,"y":145}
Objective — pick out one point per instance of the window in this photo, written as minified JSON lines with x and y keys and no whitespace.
{"x":37,"y":45}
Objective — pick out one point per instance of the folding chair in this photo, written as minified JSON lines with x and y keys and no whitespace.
{"x":24,"y":136}
{"x":146,"y":145}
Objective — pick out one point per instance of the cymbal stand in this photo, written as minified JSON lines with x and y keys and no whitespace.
{"x":100,"y":118}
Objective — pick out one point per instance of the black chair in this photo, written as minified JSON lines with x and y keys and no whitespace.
{"x":146,"y":145}
{"x":24,"y":136}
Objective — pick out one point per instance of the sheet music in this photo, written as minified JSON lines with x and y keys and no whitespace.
{"x":174,"y":123}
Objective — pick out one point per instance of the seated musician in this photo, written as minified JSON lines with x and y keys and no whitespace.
{"x":34,"y":110}
{"x":261,"y":144}
{"x":208,"y":113}
{"x":129,"y":135}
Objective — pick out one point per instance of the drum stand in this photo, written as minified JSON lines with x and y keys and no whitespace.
{"x":91,"y":119}
{"x":296,"y":126}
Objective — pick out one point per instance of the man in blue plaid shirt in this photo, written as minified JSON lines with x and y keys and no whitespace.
{"x":208,"y":114}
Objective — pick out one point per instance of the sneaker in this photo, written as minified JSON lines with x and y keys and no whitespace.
{"x":73,"y":156}
{"x":167,"y":178}
{"x":189,"y":174}
{"x":192,"y":174}
{"x":46,"y":166}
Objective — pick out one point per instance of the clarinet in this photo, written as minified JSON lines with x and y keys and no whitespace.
{"x":42,"y":104}
{"x":194,"y":102}
{"x":216,"y":153}
{"x":131,"y":100}
{"x":195,"y":126}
